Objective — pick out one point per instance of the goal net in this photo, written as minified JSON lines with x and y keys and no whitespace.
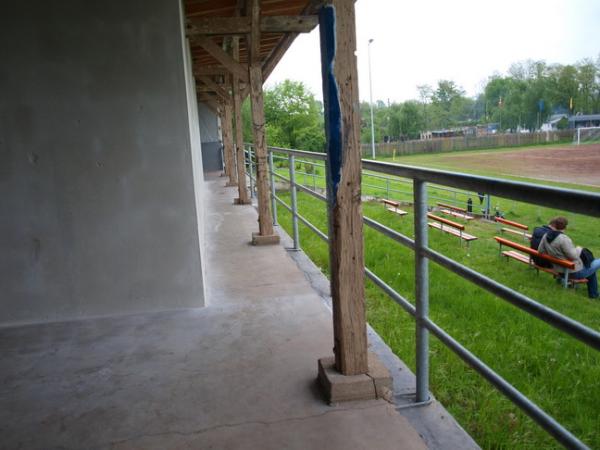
{"x":587,"y":135}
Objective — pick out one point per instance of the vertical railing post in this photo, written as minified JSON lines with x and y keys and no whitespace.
{"x":421,"y":290}
{"x":271,"y":174}
{"x":387,"y":188}
{"x":294,"y":202}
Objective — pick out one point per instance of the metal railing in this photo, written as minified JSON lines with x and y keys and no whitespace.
{"x":566,"y":199}
{"x":388,"y":189}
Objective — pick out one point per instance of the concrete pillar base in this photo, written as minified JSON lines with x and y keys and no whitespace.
{"x":376,"y":383}
{"x":272,"y":239}
{"x":237,"y":201}
{"x":231,"y":184}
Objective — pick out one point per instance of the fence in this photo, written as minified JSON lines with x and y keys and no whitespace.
{"x":566,"y":199}
{"x":450,"y":144}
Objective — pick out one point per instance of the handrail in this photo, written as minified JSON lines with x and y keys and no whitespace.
{"x":572,"y":200}
{"x":388,"y":188}
{"x":289,"y":151}
{"x":567,"y":199}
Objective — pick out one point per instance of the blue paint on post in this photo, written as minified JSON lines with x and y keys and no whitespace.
{"x":333,"y":116}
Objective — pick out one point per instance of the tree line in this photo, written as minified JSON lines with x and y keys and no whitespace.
{"x":524,"y":98}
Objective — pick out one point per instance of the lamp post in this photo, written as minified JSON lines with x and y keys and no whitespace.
{"x":371,"y":103}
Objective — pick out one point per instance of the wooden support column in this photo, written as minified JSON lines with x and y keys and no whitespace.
{"x":243,"y":198}
{"x":265,"y":234}
{"x":342,"y":123}
{"x":227,"y":128}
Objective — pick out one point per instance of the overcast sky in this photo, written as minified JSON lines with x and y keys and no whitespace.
{"x":422,"y":41}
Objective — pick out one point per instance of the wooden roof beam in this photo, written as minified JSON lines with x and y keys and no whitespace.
{"x":210,"y":70}
{"x":242,"y":25}
{"x":211,"y":84}
{"x":237,"y":69}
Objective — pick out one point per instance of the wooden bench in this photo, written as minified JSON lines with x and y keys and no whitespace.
{"x":450,"y":227}
{"x":455,"y":211}
{"x":394,"y":207}
{"x":525,"y":255}
{"x":517,"y":228}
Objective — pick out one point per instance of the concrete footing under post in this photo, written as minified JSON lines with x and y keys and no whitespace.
{"x":376,"y":383}
{"x":237,"y":201}
{"x":271,"y":239}
{"x":231,"y":184}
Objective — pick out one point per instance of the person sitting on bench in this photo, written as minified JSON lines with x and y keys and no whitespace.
{"x":556,"y":243}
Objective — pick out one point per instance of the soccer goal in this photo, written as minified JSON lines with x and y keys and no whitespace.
{"x":587,"y":135}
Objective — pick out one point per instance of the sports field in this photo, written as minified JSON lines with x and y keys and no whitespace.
{"x":564,"y":164}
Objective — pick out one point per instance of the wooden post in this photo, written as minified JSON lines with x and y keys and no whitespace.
{"x":221,"y":119}
{"x":265,"y":219}
{"x":342,"y":124}
{"x":239,"y":131}
{"x":227,"y":128}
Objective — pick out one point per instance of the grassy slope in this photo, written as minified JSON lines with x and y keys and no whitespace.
{"x":561,"y":375}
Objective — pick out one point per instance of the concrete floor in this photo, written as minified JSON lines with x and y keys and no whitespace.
{"x":237,"y":374}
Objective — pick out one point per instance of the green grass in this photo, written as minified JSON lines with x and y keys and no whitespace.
{"x":558,"y":373}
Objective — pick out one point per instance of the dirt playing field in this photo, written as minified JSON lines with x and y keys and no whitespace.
{"x":568,"y":164}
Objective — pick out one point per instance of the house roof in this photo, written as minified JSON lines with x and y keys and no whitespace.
{"x":584,"y":117}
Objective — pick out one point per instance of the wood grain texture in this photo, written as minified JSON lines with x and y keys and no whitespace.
{"x":346,"y":246}
{"x":222,"y":56}
{"x":227,"y":128}
{"x":217,"y":88}
{"x":218,"y":25}
{"x":242,"y":25}
{"x":265,"y":219}
{"x":288,"y":24}
{"x":239,"y":129}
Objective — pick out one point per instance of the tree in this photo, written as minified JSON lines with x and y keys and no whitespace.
{"x":449,"y":107}
{"x":589,"y":87}
{"x":410,"y":120}
{"x":294,"y":118}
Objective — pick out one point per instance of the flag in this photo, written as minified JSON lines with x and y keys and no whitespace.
{"x":500,"y":102}
{"x":571,"y":103}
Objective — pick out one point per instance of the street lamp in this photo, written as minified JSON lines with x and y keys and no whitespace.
{"x":371,"y":103}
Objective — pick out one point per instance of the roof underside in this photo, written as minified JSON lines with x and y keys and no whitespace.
{"x":272,"y":45}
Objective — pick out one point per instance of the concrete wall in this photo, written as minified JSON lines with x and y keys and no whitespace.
{"x":212,"y":157}
{"x":97,"y":203}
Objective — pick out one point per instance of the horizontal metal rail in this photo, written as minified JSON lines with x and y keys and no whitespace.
{"x":572,"y":200}
{"x":405,"y":304}
{"x":393,"y":234}
{"x":546,"y":421}
{"x":567,"y":199}
{"x":305,"y":221}
{"x":548,"y":315}
{"x":387,"y":188}
{"x":301,"y":153}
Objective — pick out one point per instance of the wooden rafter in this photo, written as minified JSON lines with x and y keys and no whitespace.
{"x":210,"y":70}
{"x":222,"y":56}
{"x":242,"y":25}
{"x":211,"y":84}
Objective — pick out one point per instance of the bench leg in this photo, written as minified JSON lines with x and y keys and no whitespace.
{"x":566,"y":279}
